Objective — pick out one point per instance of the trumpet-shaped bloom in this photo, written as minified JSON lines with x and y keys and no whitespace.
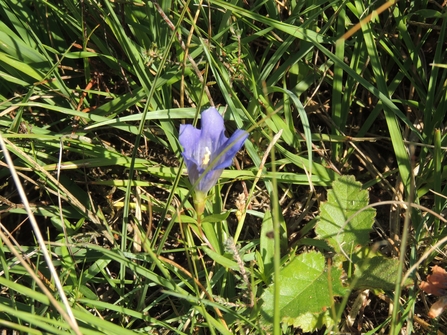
{"x":207,"y":151}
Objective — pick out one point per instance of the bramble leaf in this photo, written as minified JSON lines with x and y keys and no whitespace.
{"x":310,"y":322}
{"x":344,"y":200}
{"x":306,"y":286}
{"x":376,"y":272}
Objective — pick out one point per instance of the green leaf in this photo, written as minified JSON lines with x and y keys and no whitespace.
{"x":306,"y":286}
{"x":267,"y":244}
{"x":222,"y":259}
{"x":375,"y":272}
{"x":429,"y":13}
{"x":185,"y":219}
{"x":216,"y":217}
{"x":310,"y":322}
{"x":80,"y":292}
{"x":344,"y":200}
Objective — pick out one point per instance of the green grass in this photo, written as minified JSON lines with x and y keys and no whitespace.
{"x":92,"y":95}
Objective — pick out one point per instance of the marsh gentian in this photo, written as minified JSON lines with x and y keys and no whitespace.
{"x":207,"y":151}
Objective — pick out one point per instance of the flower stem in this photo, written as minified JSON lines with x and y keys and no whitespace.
{"x":199,"y":204}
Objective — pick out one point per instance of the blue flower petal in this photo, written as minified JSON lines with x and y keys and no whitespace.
{"x":189,"y":137}
{"x":213,"y":130}
{"x":208,"y":149}
{"x":208,"y":180}
{"x":230,"y":148}
{"x":212,"y":136}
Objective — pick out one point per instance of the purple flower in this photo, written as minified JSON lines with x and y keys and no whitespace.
{"x":207,"y":151}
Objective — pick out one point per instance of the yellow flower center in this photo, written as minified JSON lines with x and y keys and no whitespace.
{"x":206,"y":157}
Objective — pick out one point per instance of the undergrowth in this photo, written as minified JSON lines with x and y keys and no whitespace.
{"x":329,"y":218}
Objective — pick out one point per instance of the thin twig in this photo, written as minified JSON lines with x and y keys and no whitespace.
{"x":68,"y":314}
{"x":75,"y":202}
{"x":258,"y":176}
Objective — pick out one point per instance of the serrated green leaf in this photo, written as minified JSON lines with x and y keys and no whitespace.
{"x":310,"y":322}
{"x":305,"y":287}
{"x":344,"y":200}
{"x":376,"y":272}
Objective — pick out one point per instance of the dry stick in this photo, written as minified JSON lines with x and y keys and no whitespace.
{"x":59,"y":197}
{"x":185,"y":49}
{"x":425,"y":325}
{"x":359,"y":25}
{"x":68,"y":314}
{"x":245,"y":276}
{"x":69,"y":317}
{"x":92,"y":216}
